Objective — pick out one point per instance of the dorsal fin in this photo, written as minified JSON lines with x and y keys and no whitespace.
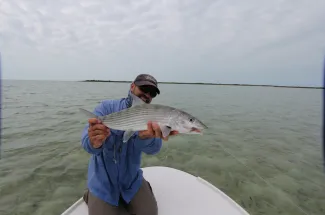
{"x":136,"y":100}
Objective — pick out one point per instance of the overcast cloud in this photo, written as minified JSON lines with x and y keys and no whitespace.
{"x":233,"y":41}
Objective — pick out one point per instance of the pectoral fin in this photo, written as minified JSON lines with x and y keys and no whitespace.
{"x":165,"y":130}
{"x":127,"y":134}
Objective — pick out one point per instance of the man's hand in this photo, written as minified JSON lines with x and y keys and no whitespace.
{"x":154,"y":131}
{"x":97,"y":132}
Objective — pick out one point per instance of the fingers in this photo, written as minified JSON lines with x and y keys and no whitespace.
{"x":97,"y":132}
{"x":154,"y":131}
{"x":157,"y":131}
{"x":172,"y":133}
{"x":97,"y":140}
{"x":100,"y":137}
{"x":150,"y":128}
{"x":93,"y":121}
{"x":98,"y":127}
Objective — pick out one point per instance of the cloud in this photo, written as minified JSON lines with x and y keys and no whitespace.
{"x":191,"y":40}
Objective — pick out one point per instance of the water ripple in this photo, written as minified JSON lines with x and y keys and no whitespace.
{"x":262,"y":148}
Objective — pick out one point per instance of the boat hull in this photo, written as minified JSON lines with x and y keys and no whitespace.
{"x":178,"y":192}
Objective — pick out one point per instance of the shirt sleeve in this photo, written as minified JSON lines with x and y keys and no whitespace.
{"x":149,"y":146}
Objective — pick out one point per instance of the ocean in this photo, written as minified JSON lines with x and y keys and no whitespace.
{"x":263,"y":146}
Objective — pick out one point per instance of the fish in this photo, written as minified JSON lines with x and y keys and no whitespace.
{"x":136,"y":118}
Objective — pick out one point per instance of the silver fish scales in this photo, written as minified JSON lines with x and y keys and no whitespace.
{"x":136,"y":118}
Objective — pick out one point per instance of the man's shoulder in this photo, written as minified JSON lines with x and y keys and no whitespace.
{"x":112,"y":104}
{"x":111,"y":101}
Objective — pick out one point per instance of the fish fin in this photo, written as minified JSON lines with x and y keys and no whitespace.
{"x":136,"y":100}
{"x":127,"y":134}
{"x":88,"y":113}
{"x":165,"y":130}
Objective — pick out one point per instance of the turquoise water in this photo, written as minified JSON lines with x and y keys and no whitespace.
{"x":263,"y":146}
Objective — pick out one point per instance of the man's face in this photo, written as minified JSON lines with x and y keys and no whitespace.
{"x":146,"y":93}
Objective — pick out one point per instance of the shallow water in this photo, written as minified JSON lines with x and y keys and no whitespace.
{"x":263,"y":147}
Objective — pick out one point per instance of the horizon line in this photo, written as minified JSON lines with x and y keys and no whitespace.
{"x":209,"y":83}
{"x":175,"y":82}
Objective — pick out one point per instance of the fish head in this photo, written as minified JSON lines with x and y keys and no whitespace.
{"x":187,"y":123}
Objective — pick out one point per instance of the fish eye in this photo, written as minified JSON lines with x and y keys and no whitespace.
{"x":191,"y":120}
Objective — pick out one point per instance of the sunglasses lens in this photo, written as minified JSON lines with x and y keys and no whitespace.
{"x":153,"y":94}
{"x":148,"y":89}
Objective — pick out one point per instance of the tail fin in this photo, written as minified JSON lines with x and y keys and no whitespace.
{"x":88,"y":113}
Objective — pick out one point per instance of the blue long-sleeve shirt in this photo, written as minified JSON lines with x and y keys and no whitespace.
{"x":114,"y":168}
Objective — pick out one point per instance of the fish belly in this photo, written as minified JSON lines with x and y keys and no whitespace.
{"x":134,"y":119}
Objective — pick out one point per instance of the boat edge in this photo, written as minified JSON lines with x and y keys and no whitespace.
{"x":70,"y":209}
{"x":233,"y":202}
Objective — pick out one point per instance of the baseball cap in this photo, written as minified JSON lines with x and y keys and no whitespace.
{"x":146,"y":79}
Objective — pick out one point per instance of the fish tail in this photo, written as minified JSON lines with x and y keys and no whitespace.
{"x":88,"y":113}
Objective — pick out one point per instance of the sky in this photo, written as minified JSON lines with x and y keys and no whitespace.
{"x":233,"y":41}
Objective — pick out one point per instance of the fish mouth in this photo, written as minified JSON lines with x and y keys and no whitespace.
{"x":193,"y":129}
{"x":199,"y":128}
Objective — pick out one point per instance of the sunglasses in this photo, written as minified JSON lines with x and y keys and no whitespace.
{"x":149,"y":89}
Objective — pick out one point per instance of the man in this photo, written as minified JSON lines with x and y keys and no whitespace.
{"x":115,"y":180}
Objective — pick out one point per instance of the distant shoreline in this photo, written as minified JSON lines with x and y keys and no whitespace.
{"x":199,"y":83}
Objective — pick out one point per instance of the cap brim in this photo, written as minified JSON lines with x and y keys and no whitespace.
{"x":146,"y":83}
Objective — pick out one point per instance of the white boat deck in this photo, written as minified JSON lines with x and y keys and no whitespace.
{"x":178,"y":193}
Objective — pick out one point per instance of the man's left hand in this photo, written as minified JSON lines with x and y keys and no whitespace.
{"x":154,"y":131}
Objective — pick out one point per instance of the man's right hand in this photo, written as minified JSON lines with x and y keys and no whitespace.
{"x":97,"y":132}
